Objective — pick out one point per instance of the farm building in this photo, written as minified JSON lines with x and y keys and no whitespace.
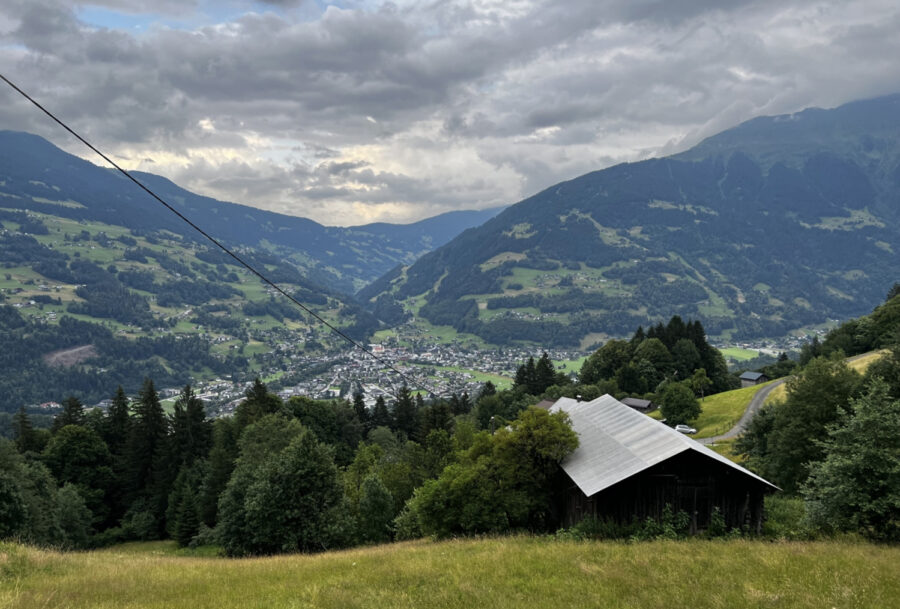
{"x":628,"y":466}
{"x":639,"y":404}
{"x":748,"y":379}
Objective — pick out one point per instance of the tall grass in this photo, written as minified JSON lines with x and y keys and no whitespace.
{"x":501,"y":572}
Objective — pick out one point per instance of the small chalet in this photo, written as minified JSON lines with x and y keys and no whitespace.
{"x":628,"y":466}
{"x":639,"y":404}
{"x":748,"y":379}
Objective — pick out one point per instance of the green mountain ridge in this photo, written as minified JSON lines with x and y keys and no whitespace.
{"x":37,"y":176}
{"x":779,"y":223}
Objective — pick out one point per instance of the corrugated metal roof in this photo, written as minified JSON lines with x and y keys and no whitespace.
{"x":752,"y":376}
{"x":616,"y":442}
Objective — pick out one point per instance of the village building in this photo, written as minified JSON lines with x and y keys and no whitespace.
{"x":629,"y":466}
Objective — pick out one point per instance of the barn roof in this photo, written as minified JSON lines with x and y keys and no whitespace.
{"x":752,"y":376}
{"x":616,"y":442}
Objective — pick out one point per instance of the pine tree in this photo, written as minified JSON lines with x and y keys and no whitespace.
{"x":380,"y":415}
{"x":487,"y":389}
{"x":544,"y":375}
{"x":465,"y":404}
{"x":221,"y":463}
{"x":405,"y":415}
{"x":118,"y":423}
{"x":72,"y":414}
{"x":23,"y":432}
{"x":362,"y":413}
{"x":187,"y":523}
{"x":146,"y":444}
{"x":191,"y":432}
{"x":258,"y":403}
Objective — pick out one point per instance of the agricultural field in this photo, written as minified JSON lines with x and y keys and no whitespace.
{"x":738,"y":354}
{"x":509,"y":572}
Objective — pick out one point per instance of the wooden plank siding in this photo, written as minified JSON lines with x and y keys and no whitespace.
{"x":688,"y":482}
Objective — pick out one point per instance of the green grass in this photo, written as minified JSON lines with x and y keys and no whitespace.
{"x":860,"y":363}
{"x":570,"y":365}
{"x":505,"y":572}
{"x":500,"y":382}
{"x":723,"y":410}
{"x":720,"y":412}
{"x":738,"y":354}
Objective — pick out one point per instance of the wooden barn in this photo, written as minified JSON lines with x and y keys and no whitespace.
{"x":628,"y":466}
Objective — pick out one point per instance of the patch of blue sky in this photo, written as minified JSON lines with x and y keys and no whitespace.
{"x":114,"y":20}
{"x":192,"y":15}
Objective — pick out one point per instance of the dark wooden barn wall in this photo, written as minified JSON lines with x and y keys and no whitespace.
{"x":690,"y":482}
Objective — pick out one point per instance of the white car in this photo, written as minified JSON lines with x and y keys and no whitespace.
{"x":685,"y":429}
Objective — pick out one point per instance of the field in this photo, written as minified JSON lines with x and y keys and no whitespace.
{"x":721,"y":411}
{"x":739,"y":355}
{"x":508,"y":572}
{"x":859,"y":363}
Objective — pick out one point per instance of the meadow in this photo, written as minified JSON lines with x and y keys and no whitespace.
{"x":720,"y":411}
{"x":508,"y":572}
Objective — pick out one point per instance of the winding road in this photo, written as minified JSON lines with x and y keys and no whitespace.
{"x":759,"y":398}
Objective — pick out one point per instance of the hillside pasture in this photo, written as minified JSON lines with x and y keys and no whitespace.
{"x":506,"y":572}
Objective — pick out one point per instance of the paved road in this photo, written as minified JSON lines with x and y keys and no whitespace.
{"x":755,"y":404}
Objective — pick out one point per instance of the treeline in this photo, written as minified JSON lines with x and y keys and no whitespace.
{"x":673,"y":352}
{"x":835,"y":442}
{"x":301,"y":475}
{"x":835,"y":438}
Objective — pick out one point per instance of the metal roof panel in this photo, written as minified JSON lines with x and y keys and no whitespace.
{"x":616,"y":442}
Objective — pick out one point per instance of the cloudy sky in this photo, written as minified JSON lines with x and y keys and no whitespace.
{"x":359,"y":111}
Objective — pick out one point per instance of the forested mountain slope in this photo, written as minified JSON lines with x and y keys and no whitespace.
{"x":37,"y":176}
{"x":778,"y":223}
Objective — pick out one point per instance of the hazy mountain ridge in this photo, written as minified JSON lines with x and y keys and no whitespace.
{"x":38,"y":176}
{"x":775,"y":224}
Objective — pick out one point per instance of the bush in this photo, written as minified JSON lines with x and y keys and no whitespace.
{"x":786,"y":519}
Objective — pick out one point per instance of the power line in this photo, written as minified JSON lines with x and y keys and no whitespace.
{"x":213,"y":240}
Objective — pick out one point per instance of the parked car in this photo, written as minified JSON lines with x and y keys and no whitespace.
{"x":685,"y":429}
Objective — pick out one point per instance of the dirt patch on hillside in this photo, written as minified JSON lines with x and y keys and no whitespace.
{"x":66,"y":358}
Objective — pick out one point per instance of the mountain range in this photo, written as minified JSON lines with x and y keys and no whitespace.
{"x":780,"y":223}
{"x":35,"y":175}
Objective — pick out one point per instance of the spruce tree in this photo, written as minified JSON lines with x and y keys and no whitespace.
{"x":146,"y":446}
{"x":405,"y":415}
{"x":187,"y":523}
{"x":380,"y":415}
{"x":258,"y":403}
{"x":118,"y":423}
{"x":221,"y":464}
{"x":362,"y":413}
{"x":23,"y":432}
{"x":488,"y":389}
{"x":191,"y":432}
{"x":544,"y":375}
{"x":72,"y":414}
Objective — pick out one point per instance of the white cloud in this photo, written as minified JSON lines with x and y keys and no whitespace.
{"x":373,"y":110}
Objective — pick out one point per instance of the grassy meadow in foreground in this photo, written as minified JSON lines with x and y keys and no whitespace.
{"x":502,"y":572}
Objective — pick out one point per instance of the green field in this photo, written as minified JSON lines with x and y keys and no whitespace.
{"x":500,"y":382}
{"x":722,"y":411}
{"x":738,"y":354}
{"x":533,"y":572}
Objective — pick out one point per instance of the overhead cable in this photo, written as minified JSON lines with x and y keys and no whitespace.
{"x":218,"y":244}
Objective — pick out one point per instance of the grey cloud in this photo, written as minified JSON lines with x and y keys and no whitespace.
{"x":557,"y":89}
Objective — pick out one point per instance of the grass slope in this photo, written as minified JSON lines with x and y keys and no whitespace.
{"x":504,"y":572}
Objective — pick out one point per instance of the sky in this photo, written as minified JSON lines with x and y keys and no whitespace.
{"x":361,"y":111}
